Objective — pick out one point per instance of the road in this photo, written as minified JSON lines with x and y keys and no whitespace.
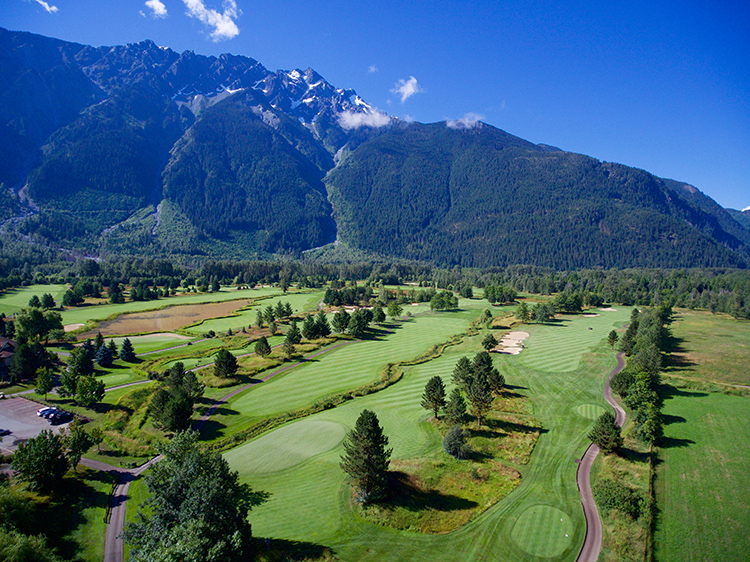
{"x":592,"y":542}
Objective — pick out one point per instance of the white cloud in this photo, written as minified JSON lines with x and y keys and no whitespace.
{"x":468,"y":121}
{"x":222,"y":23}
{"x":353,"y":120}
{"x":158,"y":9}
{"x":406,"y":88}
{"x":43,"y":4}
{"x":373,"y":69}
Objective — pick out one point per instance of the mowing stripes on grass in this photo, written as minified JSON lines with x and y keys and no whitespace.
{"x":286,"y":447}
{"x":590,"y":411}
{"x":543,"y":530}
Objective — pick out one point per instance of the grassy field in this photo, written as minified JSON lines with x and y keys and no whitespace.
{"x":702,"y":492}
{"x":310,"y":500}
{"x":13,"y":300}
{"x":712,"y":347}
{"x":81,"y":314}
{"x":701,"y":485}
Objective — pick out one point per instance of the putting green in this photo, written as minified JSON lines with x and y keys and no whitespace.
{"x":543,"y":530}
{"x":590,"y":411}
{"x":286,"y":447}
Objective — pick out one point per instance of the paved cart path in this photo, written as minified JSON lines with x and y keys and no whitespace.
{"x":592,"y":542}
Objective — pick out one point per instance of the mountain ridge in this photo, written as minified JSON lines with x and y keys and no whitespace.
{"x":243,"y":161}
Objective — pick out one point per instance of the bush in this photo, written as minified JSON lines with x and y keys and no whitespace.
{"x":611,"y":494}
{"x":454,"y":442}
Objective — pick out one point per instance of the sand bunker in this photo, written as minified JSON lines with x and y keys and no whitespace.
{"x":590,"y":315}
{"x":608,"y":309}
{"x":71,"y":327}
{"x":511,"y":343}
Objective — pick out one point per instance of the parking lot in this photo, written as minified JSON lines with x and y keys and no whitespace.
{"x":19,"y":416}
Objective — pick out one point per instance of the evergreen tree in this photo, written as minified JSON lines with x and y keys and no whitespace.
{"x":269,"y":315}
{"x":309,"y":328}
{"x":366,"y":457}
{"x":293,"y":334}
{"x":454,"y":442}
{"x":262,"y":347}
{"x":104,"y":356}
{"x":288,"y":348}
{"x":606,"y":433}
{"x":113,"y":349}
{"x":433,"y":397}
{"x":455,"y":409}
{"x":127,"y":353}
{"x":272,"y":328}
{"x":288,"y":309}
{"x":463,"y":373}
{"x":322,"y":327}
{"x":480,"y":398}
{"x":340,"y":321}
{"x":225,"y":364}
{"x":612,"y":338}
{"x":489,"y":342}
{"x":259,"y":318}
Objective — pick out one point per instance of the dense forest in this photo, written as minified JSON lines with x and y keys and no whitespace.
{"x":714,"y":289}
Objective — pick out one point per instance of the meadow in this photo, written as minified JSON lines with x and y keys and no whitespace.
{"x":701,"y":485}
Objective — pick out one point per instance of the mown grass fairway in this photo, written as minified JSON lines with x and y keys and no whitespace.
{"x":712,"y":347}
{"x":311,"y":501}
{"x":13,"y":300}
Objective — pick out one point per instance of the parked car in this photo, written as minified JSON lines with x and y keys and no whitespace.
{"x":45,"y":410}
{"x":4,"y":432}
{"x":60,"y":417}
{"x":52,"y":412}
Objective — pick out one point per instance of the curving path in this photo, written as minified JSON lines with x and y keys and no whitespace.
{"x":592,"y":542}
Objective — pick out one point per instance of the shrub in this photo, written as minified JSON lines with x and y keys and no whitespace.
{"x":612,"y":494}
{"x":454,"y":442}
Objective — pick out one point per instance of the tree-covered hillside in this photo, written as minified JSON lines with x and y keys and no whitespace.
{"x":480,"y":197}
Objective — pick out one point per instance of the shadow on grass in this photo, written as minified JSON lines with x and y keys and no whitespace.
{"x":405,"y":492}
{"x":668,"y":419}
{"x":675,"y":443}
{"x":633,"y":455}
{"x":278,"y":550}
{"x":667,"y":391}
{"x":64,"y":513}
{"x":209,"y":429}
{"x":508,"y":426}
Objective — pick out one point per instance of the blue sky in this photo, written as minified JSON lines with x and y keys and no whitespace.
{"x":659,"y":85}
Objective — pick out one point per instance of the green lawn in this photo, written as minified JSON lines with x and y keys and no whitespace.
{"x":310,"y":500}
{"x":701,"y":487}
{"x":13,"y":300}
{"x":346,"y":368}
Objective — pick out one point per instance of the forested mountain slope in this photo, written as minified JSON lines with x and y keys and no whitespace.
{"x":139,"y":150}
